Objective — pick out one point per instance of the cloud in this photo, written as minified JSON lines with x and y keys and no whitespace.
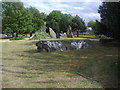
{"x":61,"y":0}
{"x":92,"y":15}
{"x":86,"y":10}
{"x":80,"y":8}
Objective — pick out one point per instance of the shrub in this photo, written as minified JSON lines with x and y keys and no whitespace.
{"x":16,"y":38}
{"x":40,"y":35}
{"x":102,"y":36}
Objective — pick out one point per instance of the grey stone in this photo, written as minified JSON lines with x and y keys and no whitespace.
{"x":52,"y":33}
{"x":32,"y":37}
{"x":80,"y":44}
{"x":44,"y":27}
{"x":69,"y":32}
{"x":60,"y":36}
{"x":50,"y":46}
{"x":53,"y":46}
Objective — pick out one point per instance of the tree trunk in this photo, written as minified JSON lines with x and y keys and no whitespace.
{"x":30,"y":34}
{"x":77,"y":33}
{"x":16,"y":34}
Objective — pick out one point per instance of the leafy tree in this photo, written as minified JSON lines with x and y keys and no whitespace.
{"x":43,"y":16}
{"x":54,"y":25}
{"x":20,"y":20}
{"x":91,"y":24}
{"x":53,"y":20}
{"x":65,"y":21}
{"x":56,"y":15}
{"x":78,"y":25}
{"x":14,"y":17}
{"x":100,"y":28}
{"x":37,"y":19}
{"x":109,"y":12}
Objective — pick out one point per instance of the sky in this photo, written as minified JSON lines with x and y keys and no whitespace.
{"x":86,"y":9}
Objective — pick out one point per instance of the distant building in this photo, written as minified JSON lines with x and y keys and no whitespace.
{"x":90,"y":30}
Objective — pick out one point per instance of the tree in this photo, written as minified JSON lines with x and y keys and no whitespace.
{"x":37,"y":18}
{"x":53,"y":20}
{"x":20,"y":20}
{"x":100,"y":28}
{"x":14,"y":17}
{"x":109,"y":12}
{"x":43,"y":16}
{"x":65,"y":21}
{"x":28,"y":24}
{"x":91,"y":24}
{"x":78,"y":25}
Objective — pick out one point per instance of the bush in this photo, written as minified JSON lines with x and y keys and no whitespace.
{"x":101,"y":36}
{"x":17,"y":38}
{"x":40,"y":35}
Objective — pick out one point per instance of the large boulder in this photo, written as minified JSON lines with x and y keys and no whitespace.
{"x":53,"y":46}
{"x":50,"y":46}
{"x":80,"y":44}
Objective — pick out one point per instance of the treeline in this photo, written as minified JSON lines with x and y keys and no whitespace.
{"x":109,"y":24}
{"x":60,"y":22}
{"x":16,"y":19}
{"x":20,"y":20}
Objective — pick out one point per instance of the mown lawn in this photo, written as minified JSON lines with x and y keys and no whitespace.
{"x":24,"y":67}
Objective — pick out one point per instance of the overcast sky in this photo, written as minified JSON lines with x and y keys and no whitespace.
{"x":86,"y":9}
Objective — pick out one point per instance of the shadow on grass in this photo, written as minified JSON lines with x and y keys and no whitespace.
{"x":6,"y":58}
{"x":96,"y":64}
{"x":51,"y":81}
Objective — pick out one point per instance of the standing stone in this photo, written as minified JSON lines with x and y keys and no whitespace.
{"x":32,"y":37}
{"x":44,"y":27}
{"x":69,"y":32}
{"x":52,"y":33}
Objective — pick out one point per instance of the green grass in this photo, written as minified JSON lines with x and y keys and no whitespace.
{"x":24,"y":67}
{"x":69,"y":75}
{"x":17,"y":38}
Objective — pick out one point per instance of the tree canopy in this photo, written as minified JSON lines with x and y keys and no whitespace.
{"x":91,"y":24}
{"x":60,"y":22}
{"x":78,"y":24}
{"x":109,"y":12}
{"x":20,"y":20}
